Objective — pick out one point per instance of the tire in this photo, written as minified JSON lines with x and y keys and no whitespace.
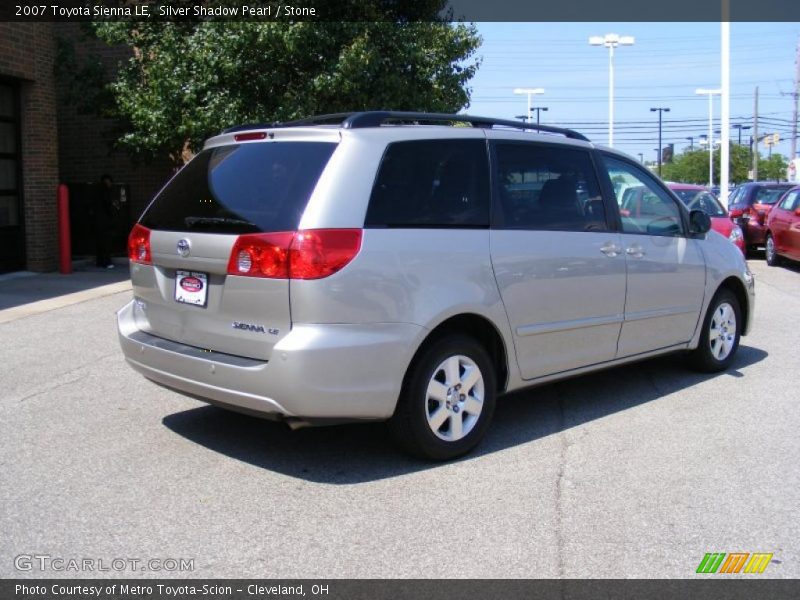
{"x":773,"y":260}
{"x":435,"y":418}
{"x":720,"y":337}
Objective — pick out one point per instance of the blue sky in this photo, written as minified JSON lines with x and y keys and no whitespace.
{"x":664,"y":67}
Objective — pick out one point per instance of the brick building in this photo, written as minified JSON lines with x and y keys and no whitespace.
{"x":44,"y":141}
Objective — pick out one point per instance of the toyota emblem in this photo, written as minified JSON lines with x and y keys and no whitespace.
{"x":183,"y":247}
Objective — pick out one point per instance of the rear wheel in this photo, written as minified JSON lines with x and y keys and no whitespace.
{"x":772,"y":254}
{"x":447,"y":401}
{"x":720,"y":337}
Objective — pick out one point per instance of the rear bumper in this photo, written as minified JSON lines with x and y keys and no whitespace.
{"x":754,"y":232}
{"x":322,"y":371}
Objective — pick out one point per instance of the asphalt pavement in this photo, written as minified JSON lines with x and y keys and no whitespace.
{"x":632,"y":472}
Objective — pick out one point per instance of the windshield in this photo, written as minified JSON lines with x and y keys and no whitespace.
{"x":245,"y":188}
{"x":701,"y":200}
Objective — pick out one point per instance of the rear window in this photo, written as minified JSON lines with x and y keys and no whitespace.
{"x":246,"y":188}
{"x":431,"y":183}
{"x":770,"y":195}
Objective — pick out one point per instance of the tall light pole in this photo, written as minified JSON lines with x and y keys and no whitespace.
{"x":611,"y":41}
{"x":538,"y":109}
{"x":710,"y":93}
{"x":530,"y":92}
{"x":660,"y":111}
{"x":691,"y":143}
{"x":739,"y":127}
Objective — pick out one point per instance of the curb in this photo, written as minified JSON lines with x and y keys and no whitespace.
{"x":42,"y":306}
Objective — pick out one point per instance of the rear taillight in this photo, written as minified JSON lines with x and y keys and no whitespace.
{"x":308,"y":254}
{"x":318,"y":253}
{"x":139,"y":245}
{"x":261,"y":255}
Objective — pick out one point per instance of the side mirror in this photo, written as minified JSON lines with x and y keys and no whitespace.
{"x":699,"y":222}
{"x":797,"y":211}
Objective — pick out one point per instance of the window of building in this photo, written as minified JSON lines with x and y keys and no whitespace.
{"x":9,"y":157}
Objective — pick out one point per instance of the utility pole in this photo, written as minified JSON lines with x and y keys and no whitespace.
{"x":755,"y":138}
{"x":691,"y":143}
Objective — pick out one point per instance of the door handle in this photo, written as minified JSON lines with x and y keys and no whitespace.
{"x":610,"y":249}
{"x":635,"y":250}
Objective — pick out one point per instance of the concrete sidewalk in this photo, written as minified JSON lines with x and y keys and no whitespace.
{"x":24,"y":293}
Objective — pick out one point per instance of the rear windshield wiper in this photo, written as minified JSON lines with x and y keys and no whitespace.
{"x":217,"y":222}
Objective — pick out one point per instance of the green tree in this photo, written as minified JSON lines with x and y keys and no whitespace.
{"x":187,"y":81}
{"x":772,"y":168}
{"x":692,"y":166}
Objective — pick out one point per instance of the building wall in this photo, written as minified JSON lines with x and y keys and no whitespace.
{"x":86,"y":141}
{"x":27,"y":55}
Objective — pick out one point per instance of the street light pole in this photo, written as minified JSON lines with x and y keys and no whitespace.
{"x":538,"y":109}
{"x":660,"y":110}
{"x":691,"y":143}
{"x":530,"y":92}
{"x":611,"y":41}
{"x":710,"y":93}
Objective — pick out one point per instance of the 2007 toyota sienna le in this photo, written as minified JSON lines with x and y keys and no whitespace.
{"x":393,"y":266}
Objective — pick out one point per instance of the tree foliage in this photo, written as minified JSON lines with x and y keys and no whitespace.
{"x":692,"y":166}
{"x":187,"y":81}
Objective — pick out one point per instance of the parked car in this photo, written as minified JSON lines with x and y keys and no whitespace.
{"x":390,"y":266}
{"x":697,"y":197}
{"x":783,"y":229}
{"x":749,"y":207}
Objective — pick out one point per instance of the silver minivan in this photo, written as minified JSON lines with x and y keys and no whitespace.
{"x":393,"y":266}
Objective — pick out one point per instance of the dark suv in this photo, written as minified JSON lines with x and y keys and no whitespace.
{"x":749,"y":206}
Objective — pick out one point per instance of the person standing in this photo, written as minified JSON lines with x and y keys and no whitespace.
{"x":104,"y":201}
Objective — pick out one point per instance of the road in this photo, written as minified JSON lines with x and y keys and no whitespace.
{"x":632,"y":472}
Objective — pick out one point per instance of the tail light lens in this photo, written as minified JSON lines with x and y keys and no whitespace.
{"x":321,"y":252}
{"x":139,"y":245}
{"x":307,"y":254}
{"x":735,"y":213}
{"x":261,"y":255}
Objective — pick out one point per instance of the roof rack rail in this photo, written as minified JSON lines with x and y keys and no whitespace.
{"x":360,"y":120}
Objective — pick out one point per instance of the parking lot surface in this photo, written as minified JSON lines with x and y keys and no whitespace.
{"x":632,"y":472}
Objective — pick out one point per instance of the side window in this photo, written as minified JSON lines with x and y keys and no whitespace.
{"x":643,"y":206}
{"x":735,"y":196}
{"x":431,"y":183}
{"x":791,"y":201}
{"x":548,"y":187}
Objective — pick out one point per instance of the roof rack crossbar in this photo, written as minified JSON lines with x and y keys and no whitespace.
{"x":360,"y":120}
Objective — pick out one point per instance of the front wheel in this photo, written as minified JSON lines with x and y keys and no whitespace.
{"x":720,"y":337}
{"x":771,"y":251}
{"x":447,"y":401}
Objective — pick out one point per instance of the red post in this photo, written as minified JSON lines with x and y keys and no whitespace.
{"x":64,"y":241}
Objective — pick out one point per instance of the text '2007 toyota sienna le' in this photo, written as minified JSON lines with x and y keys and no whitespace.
{"x":392,"y":266}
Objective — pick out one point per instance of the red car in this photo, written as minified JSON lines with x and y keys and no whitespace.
{"x":783,"y":228}
{"x":696,"y":197}
{"x":750,"y":204}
